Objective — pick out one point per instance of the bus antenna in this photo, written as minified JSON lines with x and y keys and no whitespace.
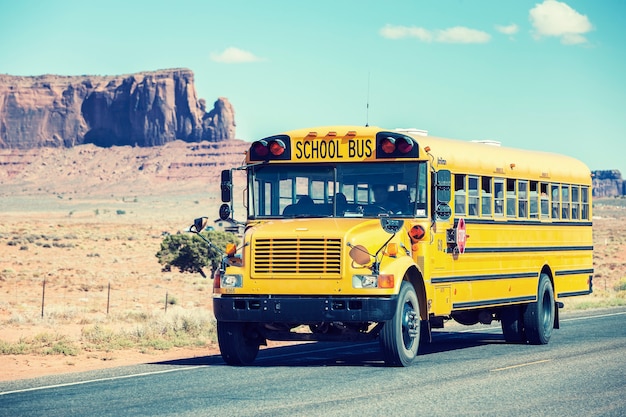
{"x":367,"y":103}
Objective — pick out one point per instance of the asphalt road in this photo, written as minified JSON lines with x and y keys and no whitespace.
{"x":466,"y":371}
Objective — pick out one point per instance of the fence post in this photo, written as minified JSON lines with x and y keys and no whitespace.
{"x":166,"y":300}
{"x":43,"y":296}
{"x":108,"y":297}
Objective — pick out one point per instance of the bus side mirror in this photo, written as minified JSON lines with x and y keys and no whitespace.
{"x":199,"y":224}
{"x":225,"y":212}
{"x":443,"y":183}
{"x":227,"y":186}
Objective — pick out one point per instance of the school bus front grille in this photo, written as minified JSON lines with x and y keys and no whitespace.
{"x":297,"y":258}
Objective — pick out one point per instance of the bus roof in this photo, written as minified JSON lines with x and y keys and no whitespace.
{"x":487,"y":159}
{"x":478,"y":157}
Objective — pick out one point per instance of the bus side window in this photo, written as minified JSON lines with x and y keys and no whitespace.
{"x":584,"y":194}
{"x":534,"y":200}
{"x":565,"y":201}
{"x":545,"y":201}
{"x":510,"y":197}
{"x":498,"y":190}
{"x":575,"y":202}
{"x":556,"y":202}
{"x":459,"y":194}
{"x":522,"y":198}
{"x":472,"y":196}
{"x":486,"y":196}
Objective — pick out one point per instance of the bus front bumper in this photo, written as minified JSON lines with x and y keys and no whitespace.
{"x":295,"y":309}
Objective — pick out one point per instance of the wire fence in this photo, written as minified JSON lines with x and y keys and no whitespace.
{"x":107,"y":298}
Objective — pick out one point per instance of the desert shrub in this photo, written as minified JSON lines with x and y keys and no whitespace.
{"x":189,"y":253}
{"x":98,"y":337}
{"x":158,"y":331}
{"x":621,"y":285}
{"x":21,"y":347}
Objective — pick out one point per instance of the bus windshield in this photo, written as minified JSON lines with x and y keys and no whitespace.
{"x":338,"y":190}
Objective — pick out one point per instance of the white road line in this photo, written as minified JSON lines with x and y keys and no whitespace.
{"x":519,"y":365}
{"x":595,"y":317}
{"x":113,"y":378}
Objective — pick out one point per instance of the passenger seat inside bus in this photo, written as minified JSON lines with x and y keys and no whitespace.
{"x":400,"y":201}
{"x":304,"y":206}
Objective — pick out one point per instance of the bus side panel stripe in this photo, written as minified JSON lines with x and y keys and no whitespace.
{"x":574,"y":272}
{"x":492,"y":302}
{"x":441,"y":280}
{"x":574,"y":293}
{"x":529,"y":249}
{"x":469,"y":220}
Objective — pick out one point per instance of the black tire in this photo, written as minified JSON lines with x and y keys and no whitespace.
{"x":512,"y":320}
{"x":539,"y":316}
{"x":236,"y":347}
{"x":400,"y":336}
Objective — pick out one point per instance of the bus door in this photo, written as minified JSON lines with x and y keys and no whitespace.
{"x":440,"y":256}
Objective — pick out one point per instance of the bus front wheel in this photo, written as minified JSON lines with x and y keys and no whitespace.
{"x":236,"y":344}
{"x":399,"y":337}
{"x":539,"y":316}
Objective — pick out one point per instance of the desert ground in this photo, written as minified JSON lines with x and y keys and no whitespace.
{"x":81,"y":287}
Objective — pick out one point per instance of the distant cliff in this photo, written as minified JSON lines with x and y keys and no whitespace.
{"x":608,"y":183}
{"x":143,"y":109}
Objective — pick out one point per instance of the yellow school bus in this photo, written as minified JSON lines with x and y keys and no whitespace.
{"x":358,"y":233}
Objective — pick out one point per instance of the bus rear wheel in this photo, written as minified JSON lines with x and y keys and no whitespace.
{"x":399,"y":337}
{"x":236,"y":344}
{"x":539,"y":316}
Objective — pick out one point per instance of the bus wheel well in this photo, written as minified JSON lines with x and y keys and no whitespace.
{"x":548,"y":271}
{"x":414,"y":276}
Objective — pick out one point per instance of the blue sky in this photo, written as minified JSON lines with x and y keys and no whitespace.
{"x":547,"y":75}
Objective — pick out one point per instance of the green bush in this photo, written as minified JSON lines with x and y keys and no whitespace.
{"x":189,"y":253}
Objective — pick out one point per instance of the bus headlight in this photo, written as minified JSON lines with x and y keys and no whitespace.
{"x":364,"y":281}
{"x":231,"y":281}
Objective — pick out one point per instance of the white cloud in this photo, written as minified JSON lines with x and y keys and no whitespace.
{"x":399,"y":32}
{"x":458,"y":34}
{"x":234,"y":55}
{"x":555,"y":18}
{"x":511,"y":29}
